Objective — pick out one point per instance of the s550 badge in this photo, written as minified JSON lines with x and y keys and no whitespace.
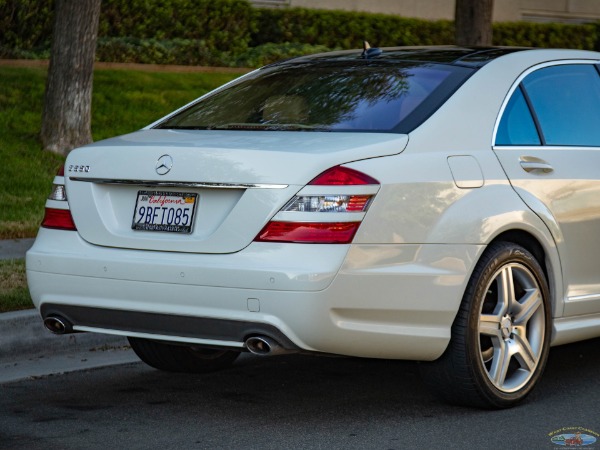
{"x":78,"y":168}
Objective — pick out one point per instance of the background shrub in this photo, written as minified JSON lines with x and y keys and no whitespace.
{"x":223,"y":25}
{"x":346,"y":29}
{"x":25,"y":25}
{"x":264,"y":54}
{"x":547,"y":35}
{"x":232,"y":32}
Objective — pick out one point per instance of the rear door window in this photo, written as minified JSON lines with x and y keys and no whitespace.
{"x":566,"y":101}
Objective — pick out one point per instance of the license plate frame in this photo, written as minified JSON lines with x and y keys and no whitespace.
{"x":158,"y":211}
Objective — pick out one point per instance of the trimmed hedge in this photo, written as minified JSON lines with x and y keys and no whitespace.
{"x":347,"y":29}
{"x":195,"y":52}
{"x":157,"y":51}
{"x":548,"y":35}
{"x":233,"y":33}
{"x":25,"y":24}
{"x":224,"y":25}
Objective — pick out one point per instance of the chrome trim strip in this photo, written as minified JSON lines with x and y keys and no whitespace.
{"x":580,"y":298}
{"x":183,"y":184}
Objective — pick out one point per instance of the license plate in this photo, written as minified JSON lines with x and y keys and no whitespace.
{"x":164,"y":211}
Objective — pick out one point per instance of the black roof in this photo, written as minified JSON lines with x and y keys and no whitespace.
{"x":474,"y":57}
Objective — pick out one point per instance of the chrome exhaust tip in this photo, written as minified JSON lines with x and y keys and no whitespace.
{"x":264,"y":346}
{"x":58,"y":325}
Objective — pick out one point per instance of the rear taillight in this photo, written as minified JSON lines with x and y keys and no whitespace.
{"x":60,"y":219}
{"x":309,"y":232}
{"x":328,"y":210}
{"x":342,"y":176}
{"x":56,"y":215}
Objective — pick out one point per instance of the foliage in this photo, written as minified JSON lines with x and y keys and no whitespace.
{"x":154,"y":51}
{"x":224,"y":25}
{"x":262,"y":55}
{"x":233,"y":33}
{"x":547,"y":35}
{"x":347,"y":29}
{"x":123,"y":101}
{"x":25,"y":25}
{"x":183,"y":52}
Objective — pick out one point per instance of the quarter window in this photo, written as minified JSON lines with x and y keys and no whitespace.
{"x":517,"y":126}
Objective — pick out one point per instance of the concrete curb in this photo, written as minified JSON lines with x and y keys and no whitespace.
{"x":22,"y":336}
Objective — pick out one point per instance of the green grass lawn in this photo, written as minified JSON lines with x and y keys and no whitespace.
{"x":14,"y":294}
{"x":123,"y":101}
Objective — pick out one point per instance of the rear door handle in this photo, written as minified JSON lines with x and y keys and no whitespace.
{"x":537,"y":166}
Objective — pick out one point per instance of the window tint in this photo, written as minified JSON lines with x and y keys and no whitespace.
{"x":341,"y":96}
{"x":566,"y":100}
{"x":517,"y":126}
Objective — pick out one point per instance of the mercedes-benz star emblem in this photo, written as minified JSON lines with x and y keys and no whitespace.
{"x":164,"y":164}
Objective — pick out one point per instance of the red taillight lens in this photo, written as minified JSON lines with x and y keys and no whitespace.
{"x":339,"y":175}
{"x":329,"y":215}
{"x":309,"y":232}
{"x":59,"y":219}
{"x":61,"y":171}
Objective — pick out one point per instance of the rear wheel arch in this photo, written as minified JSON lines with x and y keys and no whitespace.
{"x":528,"y":242}
{"x":546,"y":256}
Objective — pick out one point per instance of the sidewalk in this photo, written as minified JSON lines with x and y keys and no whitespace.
{"x":14,"y":248}
{"x":27,"y":349}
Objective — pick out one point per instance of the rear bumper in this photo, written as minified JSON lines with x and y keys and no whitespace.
{"x":382,"y":301}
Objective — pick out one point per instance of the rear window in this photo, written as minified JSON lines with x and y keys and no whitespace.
{"x":359,"y":96}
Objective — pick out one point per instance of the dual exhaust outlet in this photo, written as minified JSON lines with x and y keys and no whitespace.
{"x":58,"y":325}
{"x":265,"y":346}
{"x":257,"y":345}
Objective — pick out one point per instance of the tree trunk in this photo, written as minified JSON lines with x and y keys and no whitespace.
{"x":473,"y":22}
{"x":66,"y":120}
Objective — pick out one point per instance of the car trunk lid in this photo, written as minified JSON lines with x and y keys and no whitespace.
{"x":238,"y":179}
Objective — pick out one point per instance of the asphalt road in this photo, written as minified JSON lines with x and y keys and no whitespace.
{"x":290,"y":402}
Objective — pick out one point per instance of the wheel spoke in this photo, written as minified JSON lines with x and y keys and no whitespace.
{"x":507,"y":291}
{"x":524,"y":353}
{"x":489,"y":325}
{"x":500,"y":362}
{"x":526,"y":308}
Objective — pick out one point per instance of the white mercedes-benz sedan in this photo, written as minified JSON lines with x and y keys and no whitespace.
{"x":431,"y":204}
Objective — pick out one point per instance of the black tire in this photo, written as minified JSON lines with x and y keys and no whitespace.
{"x":500,"y":337}
{"x":181,"y":358}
